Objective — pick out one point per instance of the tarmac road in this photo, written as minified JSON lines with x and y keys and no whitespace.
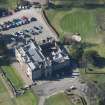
{"x":49,"y":88}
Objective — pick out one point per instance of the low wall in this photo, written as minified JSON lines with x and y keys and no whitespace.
{"x":14,"y":90}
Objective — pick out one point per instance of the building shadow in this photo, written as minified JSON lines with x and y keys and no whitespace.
{"x":66,"y":72}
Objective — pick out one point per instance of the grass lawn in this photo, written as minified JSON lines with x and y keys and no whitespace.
{"x":27,"y":99}
{"x":59,"y":99}
{"x":80,"y":21}
{"x":13,"y":76}
{"x":72,"y":21}
{"x":11,"y":4}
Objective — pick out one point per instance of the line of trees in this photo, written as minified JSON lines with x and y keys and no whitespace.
{"x":76,"y":3}
{"x":79,"y":1}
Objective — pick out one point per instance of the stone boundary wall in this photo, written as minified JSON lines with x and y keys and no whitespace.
{"x":49,"y":24}
{"x":14,"y":90}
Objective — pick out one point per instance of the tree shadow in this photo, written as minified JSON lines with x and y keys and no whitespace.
{"x":88,"y":45}
{"x":95,"y":59}
{"x":98,"y":61}
{"x":4,"y":61}
{"x":7,"y":57}
{"x":6,"y":39}
{"x":60,"y":7}
{"x":66,"y":72}
{"x":65,"y":6}
{"x":93,"y":6}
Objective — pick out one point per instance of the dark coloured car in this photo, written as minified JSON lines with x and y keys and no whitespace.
{"x":36,"y":28}
{"x":33,"y":19}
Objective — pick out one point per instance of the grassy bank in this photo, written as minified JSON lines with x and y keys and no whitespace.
{"x":13,"y":75}
{"x":27,"y":99}
{"x":10,"y":4}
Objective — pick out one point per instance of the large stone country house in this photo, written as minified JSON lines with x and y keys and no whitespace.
{"x":40,"y":60}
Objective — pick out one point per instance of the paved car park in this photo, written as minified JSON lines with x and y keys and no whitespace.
{"x":36,"y":13}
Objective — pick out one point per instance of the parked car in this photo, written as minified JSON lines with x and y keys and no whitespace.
{"x":13,"y":25}
{"x":26,"y":31}
{"x":33,"y":19}
{"x":73,"y":87}
{"x":25,"y":20}
{"x":19,"y":33}
{"x":38,"y":29}
{"x":16,"y":22}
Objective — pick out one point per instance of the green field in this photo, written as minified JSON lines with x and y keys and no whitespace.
{"x":59,"y":99}
{"x":13,"y":76}
{"x":79,"y":21}
{"x":27,"y":99}
{"x":11,"y":4}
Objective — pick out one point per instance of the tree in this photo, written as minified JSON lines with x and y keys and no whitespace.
{"x":76,"y":51}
